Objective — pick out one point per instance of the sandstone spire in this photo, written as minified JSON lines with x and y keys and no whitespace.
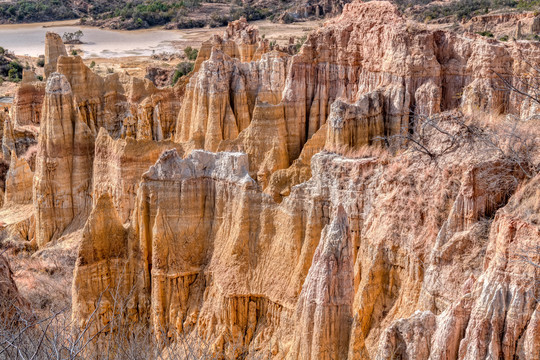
{"x":54,"y":48}
{"x":63,"y":164}
{"x":324,"y":310}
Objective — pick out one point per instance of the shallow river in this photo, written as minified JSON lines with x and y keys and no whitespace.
{"x":29,"y":39}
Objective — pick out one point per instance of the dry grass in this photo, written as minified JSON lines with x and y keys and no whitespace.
{"x":45,"y":283}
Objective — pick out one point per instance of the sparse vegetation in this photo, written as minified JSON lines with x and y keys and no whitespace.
{"x":72,"y":37}
{"x":299,"y":42}
{"x":92,"y":64}
{"x":182,"y":69}
{"x":52,"y":333}
{"x":191,"y":53}
{"x":427,"y":10}
{"x":135,"y":14}
{"x":73,"y":52}
{"x":15,"y":71}
{"x":10,"y":67}
{"x":37,"y":10}
{"x":486,"y":33}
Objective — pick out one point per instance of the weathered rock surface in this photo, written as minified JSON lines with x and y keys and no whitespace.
{"x":54,"y":48}
{"x":64,"y":163}
{"x":268,"y":204}
{"x":101,"y":267}
{"x":513,"y":25}
{"x":118,"y":166}
{"x":221,"y":97}
{"x":77,"y":104}
{"x":160,"y":77}
{"x":18,"y":139}
{"x":314,"y":8}
{"x":28,"y":103}
{"x":324,"y":310}
{"x":240,"y":41}
{"x":19,"y":181}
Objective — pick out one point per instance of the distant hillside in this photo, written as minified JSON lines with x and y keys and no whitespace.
{"x":135,"y":14}
{"x":458,"y":10}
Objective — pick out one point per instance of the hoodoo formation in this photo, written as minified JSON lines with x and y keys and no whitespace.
{"x":373,"y":196}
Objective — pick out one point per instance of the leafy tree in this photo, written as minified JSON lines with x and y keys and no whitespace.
{"x":72,"y":37}
{"x":182,"y":69}
{"x":15,"y":71}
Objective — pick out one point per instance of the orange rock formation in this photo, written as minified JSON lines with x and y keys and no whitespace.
{"x":255,"y":206}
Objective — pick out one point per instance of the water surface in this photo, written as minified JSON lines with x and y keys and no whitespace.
{"x":29,"y":39}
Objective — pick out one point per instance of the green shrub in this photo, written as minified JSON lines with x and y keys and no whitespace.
{"x":191,"y":53}
{"x":300,"y":42}
{"x":39,"y":10}
{"x":182,"y":69}
{"x":15,"y":71}
{"x":41,"y":62}
{"x":133,"y":14}
{"x":251,"y":13}
{"x":13,"y":75}
{"x":92,"y":64}
{"x":73,"y":52}
{"x":528,"y":4}
{"x":504,"y":38}
{"x":486,"y":33}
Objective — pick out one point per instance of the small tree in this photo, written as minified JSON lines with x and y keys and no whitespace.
{"x":182,"y":69}
{"x":73,"y":37}
{"x":191,"y":53}
{"x":15,"y":71}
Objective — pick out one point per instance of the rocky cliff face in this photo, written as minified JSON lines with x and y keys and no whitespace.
{"x":64,"y":162}
{"x":54,"y":48}
{"x":350,"y":201}
{"x":77,"y":103}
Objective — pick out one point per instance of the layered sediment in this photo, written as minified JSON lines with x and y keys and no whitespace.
{"x":343,"y":202}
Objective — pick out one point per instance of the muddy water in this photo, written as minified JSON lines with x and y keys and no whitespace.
{"x":29,"y":39}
